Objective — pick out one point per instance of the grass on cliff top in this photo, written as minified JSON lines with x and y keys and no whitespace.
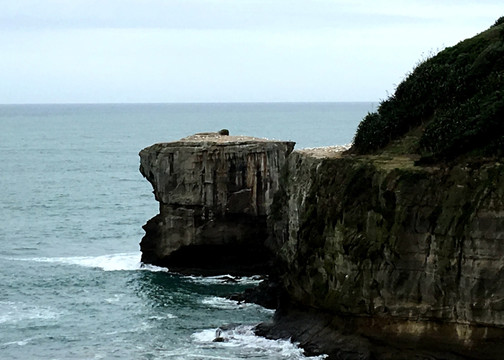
{"x":450,"y":105}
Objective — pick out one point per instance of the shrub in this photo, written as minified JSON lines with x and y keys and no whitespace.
{"x":499,"y":21}
{"x":458,"y":94}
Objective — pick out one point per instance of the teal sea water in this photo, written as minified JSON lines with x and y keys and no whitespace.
{"x":72,"y":206}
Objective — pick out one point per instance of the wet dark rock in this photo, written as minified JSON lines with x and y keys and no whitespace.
{"x":317,"y":333}
{"x":267,"y":294}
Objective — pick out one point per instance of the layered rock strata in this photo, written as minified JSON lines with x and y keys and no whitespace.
{"x":408,"y":256}
{"x":376,"y":257}
{"x":215,"y":192}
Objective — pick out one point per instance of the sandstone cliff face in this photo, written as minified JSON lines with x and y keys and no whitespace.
{"x":214,"y":194}
{"x":409,"y":253}
{"x":373,"y":251}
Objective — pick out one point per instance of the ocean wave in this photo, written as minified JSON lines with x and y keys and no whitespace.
{"x":243,"y":337}
{"x":163,"y":317}
{"x":111,"y":262}
{"x":227,"y":279}
{"x":14,"y":312}
{"x":17,"y":343}
{"x":227,"y":304}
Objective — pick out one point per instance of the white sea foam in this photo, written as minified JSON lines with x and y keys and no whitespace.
{"x":227,"y":304}
{"x":17,"y":343}
{"x":199,"y":357}
{"x":14,"y":312}
{"x":222,"y":303}
{"x":243,"y":337}
{"x":112,"y":262}
{"x":115,"y":299}
{"x":227,"y":279}
{"x":163,"y":317}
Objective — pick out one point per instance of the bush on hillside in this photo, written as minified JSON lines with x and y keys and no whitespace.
{"x":499,"y":21}
{"x":457,"y":94}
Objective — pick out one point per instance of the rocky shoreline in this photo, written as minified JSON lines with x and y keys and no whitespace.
{"x":369,"y":257}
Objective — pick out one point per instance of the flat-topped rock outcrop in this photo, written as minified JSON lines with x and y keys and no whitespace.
{"x":215,"y":192}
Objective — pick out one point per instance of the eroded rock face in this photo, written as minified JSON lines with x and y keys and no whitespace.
{"x":214,"y":193}
{"x":410,"y":254}
{"x":400,"y":261}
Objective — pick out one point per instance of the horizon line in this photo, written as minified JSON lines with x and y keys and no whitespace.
{"x":190,"y":102}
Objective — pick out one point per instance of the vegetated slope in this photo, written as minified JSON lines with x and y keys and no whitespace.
{"x":450,"y":105}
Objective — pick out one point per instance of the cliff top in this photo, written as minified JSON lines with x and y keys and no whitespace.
{"x":220,"y":138}
{"x":325,"y":152}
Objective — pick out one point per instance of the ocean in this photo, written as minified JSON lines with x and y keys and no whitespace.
{"x":72,"y":206}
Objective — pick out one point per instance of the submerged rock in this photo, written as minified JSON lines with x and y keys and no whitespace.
{"x":214,"y":193}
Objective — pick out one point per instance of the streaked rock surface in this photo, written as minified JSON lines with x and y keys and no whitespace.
{"x":397,"y":252}
{"x":376,"y":257}
{"x":215,"y":193}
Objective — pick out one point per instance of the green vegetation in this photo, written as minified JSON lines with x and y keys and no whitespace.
{"x":450,"y":105}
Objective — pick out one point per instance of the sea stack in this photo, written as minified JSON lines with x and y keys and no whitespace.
{"x":215,"y":192}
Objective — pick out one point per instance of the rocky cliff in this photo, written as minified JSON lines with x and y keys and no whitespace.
{"x":397,"y":253}
{"x":215,"y":192}
{"x":396,"y":247}
{"x":376,"y":257}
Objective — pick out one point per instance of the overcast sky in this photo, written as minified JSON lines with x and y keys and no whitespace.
{"x":103,"y":51}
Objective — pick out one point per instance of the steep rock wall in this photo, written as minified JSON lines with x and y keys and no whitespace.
{"x":403,"y":253}
{"x":214,"y":194}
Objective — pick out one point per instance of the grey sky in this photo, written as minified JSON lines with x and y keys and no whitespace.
{"x":67,"y":51}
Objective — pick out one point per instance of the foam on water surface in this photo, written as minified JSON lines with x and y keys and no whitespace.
{"x":227,"y":304}
{"x":243,"y":337}
{"x":227,"y":279}
{"x":23,"y":342}
{"x":14,"y":312}
{"x":111,"y":262}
